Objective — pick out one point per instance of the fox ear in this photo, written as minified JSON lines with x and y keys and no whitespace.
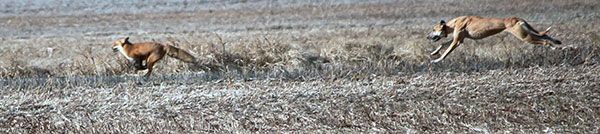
{"x":125,"y":40}
{"x":442,"y":22}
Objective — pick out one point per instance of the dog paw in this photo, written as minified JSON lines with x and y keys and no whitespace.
{"x":435,"y":61}
{"x":434,"y":53}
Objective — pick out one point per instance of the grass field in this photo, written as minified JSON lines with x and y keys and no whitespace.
{"x":344,"y":66}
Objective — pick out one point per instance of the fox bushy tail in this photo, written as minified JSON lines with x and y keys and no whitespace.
{"x":182,"y":55}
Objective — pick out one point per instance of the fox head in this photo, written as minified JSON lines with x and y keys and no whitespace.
{"x":439,"y":31}
{"x":120,"y":43}
{"x":118,"y":46}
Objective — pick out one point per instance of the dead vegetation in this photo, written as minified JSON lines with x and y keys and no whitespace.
{"x":344,"y":66}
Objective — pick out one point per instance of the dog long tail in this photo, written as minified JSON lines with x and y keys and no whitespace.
{"x":536,"y":34}
{"x":546,"y":31}
{"x":180,"y":54}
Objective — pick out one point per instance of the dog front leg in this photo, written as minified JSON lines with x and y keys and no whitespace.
{"x":437,"y":51}
{"x":458,"y":39}
{"x":450,"y":49}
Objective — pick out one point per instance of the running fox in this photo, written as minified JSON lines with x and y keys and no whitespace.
{"x":151,"y":52}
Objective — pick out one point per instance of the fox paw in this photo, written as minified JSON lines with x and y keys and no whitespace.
{"x":141,"y":67}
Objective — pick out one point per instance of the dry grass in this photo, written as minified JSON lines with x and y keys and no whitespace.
{"x":549,"y":100}
{"x":344,"y":66}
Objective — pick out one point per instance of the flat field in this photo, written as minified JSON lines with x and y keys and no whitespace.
{"x":311,"y":66}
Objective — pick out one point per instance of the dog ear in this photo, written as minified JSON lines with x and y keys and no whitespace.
{"x":442,"y":22}
{"x":125,"y":40}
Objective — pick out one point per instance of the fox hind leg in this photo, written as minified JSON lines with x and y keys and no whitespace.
{"x":153,"y":58}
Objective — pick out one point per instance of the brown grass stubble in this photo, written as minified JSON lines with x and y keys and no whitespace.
{"x":558,"y":99}
{"x":367,"y":50}
{"x":331,"y":40}
{"x":273,"y":80}
{"x":511,"y":94}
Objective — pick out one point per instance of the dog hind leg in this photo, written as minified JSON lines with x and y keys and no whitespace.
{"x":535,"y":34}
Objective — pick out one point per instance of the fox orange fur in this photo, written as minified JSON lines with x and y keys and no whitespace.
{"x":151,"y":52}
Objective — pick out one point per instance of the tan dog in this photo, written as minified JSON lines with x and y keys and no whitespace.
{"x":150,"y":52}
{"x":474,"y":27}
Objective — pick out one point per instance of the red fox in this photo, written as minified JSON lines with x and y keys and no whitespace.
{"x":151,"y":52}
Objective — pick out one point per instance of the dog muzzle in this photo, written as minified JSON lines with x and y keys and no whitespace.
{"x":434,"y":38}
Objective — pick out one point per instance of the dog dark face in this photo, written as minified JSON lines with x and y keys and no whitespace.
{"x":439,"y":31}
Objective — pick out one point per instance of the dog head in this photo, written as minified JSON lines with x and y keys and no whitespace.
{"x":439,"y":31}
{"x":119,"y":44}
